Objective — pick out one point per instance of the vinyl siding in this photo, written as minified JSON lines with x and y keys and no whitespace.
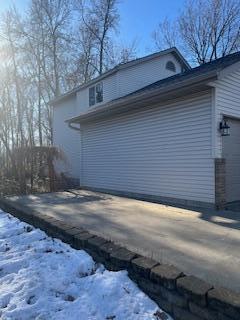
{"x":227,"y":103}
{"x":163,"y":151}
{"x":129,"y":80}
{"x":66,"y":139}
{"x":139,"y":76}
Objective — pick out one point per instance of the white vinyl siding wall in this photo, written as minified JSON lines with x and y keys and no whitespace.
{"x":227,"y":103}
{"x":129,"y":80}
{"x":66,"y":139}
{"x":164,"y":151}
{"x":139,"y":76}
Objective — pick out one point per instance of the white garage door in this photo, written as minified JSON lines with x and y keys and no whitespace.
{"x":164,"y":151}
{"x":231,"y":152}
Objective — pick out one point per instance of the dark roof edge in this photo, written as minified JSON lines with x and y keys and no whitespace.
{"x":144,"y":96}
{"x":181,"y":58}
{"x":126,"y":65}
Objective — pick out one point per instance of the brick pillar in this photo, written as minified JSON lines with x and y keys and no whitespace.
{"x":220,"y":186}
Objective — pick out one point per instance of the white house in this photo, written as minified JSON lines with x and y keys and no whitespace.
{"x":156,"y":129}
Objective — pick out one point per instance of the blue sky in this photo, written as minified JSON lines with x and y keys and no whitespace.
{"x":138,"y":18}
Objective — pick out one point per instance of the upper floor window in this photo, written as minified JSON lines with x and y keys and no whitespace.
{"x":96,"y":94}
{"x":170,"y":66}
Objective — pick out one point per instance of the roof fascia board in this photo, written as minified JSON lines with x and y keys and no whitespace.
{"x":181,"y":58}
{"x":230,"y":69}
{"x":223,"y":73}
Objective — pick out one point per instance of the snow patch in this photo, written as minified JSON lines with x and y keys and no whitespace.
{"x":42,"y":278}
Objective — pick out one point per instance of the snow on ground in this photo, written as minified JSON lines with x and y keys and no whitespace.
{"x":43,"y":279}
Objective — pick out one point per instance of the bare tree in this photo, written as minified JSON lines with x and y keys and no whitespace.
{"x":84,"y":56}
{"x":166,"y":35}
{"x":100,"y":18}
{"x":122,"y":53}
{"x":206,"y":29}
{"x":49,"y":21}
{"x":48,"y":49}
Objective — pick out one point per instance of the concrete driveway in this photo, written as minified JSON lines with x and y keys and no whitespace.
{"x":202,"y":243}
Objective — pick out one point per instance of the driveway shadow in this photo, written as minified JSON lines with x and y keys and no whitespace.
{"x":224,"y":218}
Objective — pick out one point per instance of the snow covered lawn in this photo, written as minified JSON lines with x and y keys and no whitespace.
{"x":43,"y":279}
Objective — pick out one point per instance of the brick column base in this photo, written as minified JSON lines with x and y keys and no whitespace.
{"x":220,"y":185}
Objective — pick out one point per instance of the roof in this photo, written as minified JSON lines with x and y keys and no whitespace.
{"x":197,"y":78}
{"x":122,"y":66}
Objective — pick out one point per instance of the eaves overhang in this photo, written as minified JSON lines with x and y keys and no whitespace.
{"x":148,"y":98}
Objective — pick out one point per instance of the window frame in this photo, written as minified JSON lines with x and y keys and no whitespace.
{"x":170,"y":65}
{"x":93,"y":93}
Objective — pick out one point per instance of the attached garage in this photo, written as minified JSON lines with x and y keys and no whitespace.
{"x":164,"y":141}
{"x":162,"y":152}
{"x":231,"y":154}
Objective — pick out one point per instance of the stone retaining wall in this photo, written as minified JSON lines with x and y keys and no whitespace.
{"x":183,"y":297}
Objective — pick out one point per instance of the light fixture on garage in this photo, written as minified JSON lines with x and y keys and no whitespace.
{"x":224,"y":128}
